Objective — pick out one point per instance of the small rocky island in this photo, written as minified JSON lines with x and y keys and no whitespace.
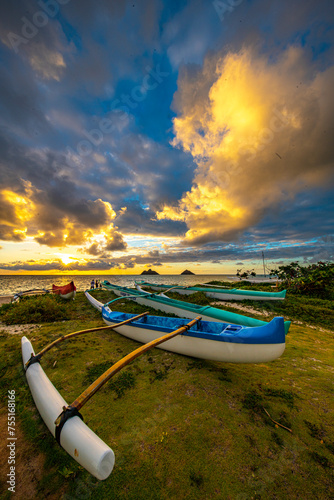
{"x":150,"y":271}
{"x":187,"y":272}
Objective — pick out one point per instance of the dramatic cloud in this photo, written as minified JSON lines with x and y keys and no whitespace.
{"x":259,"y":131}
{"x":125,"y":126}
{"x":32,"y":213}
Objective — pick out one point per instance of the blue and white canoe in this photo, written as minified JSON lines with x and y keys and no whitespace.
{"x":185,"y":309}
{"x":219,"y":293}
{"x":210,"y":340}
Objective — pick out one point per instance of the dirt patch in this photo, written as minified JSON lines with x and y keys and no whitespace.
{"x":29,"y":463}
{"x":15,"y":329}
{"x":18,"y":329}
{"x":240,"y":307}
{"x":5,"y":299}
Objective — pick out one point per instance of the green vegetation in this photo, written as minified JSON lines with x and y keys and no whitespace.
{"x":245,"y":274}
{"x":310,"y":310}
{"x":35,"y":309}
{"x":314,"y":280}
{"x":180,"y":427}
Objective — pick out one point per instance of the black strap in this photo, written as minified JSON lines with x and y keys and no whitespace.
{"x":65,"y":415}
{"x":32,"y":360}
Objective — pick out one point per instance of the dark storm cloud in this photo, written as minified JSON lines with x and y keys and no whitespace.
{"x":137,"y":219}
{"x":161,"y":172}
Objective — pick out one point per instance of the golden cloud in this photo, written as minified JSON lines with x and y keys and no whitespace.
{"x":29,"y":214}
{"x":257,"y":130}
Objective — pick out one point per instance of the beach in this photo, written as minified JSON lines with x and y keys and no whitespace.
{"x":5,"y":299}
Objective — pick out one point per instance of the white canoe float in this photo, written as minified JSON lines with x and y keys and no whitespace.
{"x":215,"y":341}
{"x":219,"y":293}
{"x":76,"y":438}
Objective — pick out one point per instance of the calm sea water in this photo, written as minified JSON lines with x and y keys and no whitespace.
{"x":11,"y":284}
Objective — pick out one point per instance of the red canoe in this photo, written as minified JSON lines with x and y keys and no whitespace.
{"x":66,"y":291}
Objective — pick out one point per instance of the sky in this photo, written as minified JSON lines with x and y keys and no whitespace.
{"x":165,"y":134}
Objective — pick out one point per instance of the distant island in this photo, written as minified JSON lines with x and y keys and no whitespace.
{"x":150,"y":271}
{"x":187,"y":272}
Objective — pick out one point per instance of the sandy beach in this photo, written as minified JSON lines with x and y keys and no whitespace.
{"x":5,"y":299}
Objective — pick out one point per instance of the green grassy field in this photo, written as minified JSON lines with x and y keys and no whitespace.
{"x":181,"y":428}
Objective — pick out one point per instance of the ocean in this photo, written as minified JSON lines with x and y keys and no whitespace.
{"x":11,"y":284}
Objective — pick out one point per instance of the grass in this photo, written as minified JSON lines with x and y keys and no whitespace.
{"x":315,"y":311}
{"x":180,"y":427}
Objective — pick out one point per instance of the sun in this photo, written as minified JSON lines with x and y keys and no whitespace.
{"x":65,"y":258}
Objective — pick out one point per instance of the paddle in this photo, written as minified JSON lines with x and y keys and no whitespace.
{"x":37,"y":357}
{"x":73,"y":409}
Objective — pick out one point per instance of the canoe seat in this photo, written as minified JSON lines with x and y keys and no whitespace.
{"x":230,"y":330}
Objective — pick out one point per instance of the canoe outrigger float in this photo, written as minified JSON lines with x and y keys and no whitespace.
{"x":219,"y":293}
{"x":185,"y":309}
{"x":64,"y":421}
{"x":210,"y":340}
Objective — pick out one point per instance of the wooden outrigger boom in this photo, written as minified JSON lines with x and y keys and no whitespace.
{"x":95,"y":386}
{"x":36,"y":358}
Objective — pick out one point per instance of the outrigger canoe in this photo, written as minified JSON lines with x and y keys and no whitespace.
{"x":210,"y":340}
{"x":66,"y":292}
{"x":186,"y":309}
{"x":219,"y":293}
{"x":65,"y":422}
{"x":27,"y":293}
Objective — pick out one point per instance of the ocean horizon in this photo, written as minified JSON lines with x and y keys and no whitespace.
{"x":10,"y":284}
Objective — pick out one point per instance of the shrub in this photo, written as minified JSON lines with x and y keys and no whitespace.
{"x":245,"y":274}
{"x":41,"y":309}
{"x":315,"y":280}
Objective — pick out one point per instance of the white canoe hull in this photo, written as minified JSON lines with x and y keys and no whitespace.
{"x":68,"y":296}
{"x":76,"y":438}
{"x":206,"y":349}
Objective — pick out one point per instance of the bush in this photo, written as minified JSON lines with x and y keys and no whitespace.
{"x":42,"y":309}
{"x":316,"y":280}
{"x":245,"y":274}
